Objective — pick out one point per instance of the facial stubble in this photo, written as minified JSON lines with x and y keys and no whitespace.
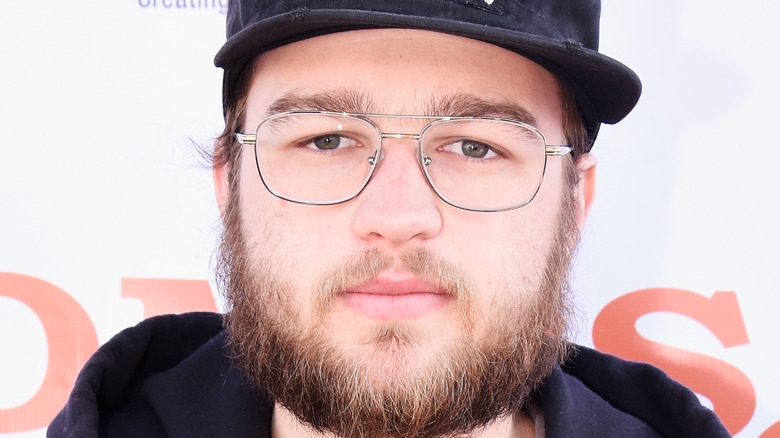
{"x":389,"y":392}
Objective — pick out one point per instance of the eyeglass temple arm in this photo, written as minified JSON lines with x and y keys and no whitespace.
{"x":246,"y":138}
{"x":553,"y":149}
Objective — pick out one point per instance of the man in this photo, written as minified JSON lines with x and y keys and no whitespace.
{"x":402,"y":185}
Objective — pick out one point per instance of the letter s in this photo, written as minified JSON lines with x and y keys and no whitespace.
{"x":730,"y":391}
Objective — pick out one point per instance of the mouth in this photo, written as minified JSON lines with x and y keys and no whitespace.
{"x":396,"y":297}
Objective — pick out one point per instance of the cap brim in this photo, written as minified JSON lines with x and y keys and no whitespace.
{"x":610,"y":89}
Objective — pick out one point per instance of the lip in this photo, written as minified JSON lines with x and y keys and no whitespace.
{"x":395,"y":298}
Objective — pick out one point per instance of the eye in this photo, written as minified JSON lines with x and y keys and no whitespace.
{"x":471,"y":149}
{"x":330,"y":142}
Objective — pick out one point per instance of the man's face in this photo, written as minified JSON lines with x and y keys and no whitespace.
{"x":396,"y":293}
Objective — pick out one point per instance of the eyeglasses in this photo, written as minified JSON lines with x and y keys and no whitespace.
{"x":474,"y":163}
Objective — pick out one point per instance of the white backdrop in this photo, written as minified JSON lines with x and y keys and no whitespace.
{"x":103,"y":196}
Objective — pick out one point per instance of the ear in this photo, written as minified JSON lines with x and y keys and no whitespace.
{"x":221,"y":186}
{"x":586,"y":189}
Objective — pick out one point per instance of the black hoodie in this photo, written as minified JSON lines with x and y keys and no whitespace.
{"x":171,"y":376}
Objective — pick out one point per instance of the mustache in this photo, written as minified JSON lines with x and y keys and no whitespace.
{"x":421,"y":262}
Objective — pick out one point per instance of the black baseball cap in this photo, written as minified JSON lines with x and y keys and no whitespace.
{"x":560,"y":35}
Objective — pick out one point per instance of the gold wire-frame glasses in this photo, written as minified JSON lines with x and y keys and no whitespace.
{"x":483,"y":164}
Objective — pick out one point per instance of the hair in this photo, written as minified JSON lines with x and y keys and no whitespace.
{"x":227,"y":150}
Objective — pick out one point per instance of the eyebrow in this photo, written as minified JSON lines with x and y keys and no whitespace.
{"x":452,"y":105}
{"x":339,"y":100}
{"x":469,"y":105}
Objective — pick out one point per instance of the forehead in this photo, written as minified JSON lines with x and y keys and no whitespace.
{"x":400,"y":71}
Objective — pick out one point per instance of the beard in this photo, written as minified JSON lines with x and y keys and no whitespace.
{"x":387,"y":390}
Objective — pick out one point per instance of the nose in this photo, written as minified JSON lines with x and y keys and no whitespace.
{"x":397,"y":206}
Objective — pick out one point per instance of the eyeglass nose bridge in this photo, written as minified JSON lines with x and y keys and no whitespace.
{"x":399,"y":135}
{"x":374,"y":161}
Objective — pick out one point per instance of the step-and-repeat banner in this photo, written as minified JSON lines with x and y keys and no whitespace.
{"x":108,"y":214}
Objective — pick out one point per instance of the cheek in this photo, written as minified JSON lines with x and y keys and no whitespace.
{"x":517,"y":239}
{"x":254,"y":207}
{"x":302,"y":241}
{"x":506,"y":253}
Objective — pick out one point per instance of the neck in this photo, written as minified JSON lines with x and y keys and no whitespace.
{"x":520,"y":425}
